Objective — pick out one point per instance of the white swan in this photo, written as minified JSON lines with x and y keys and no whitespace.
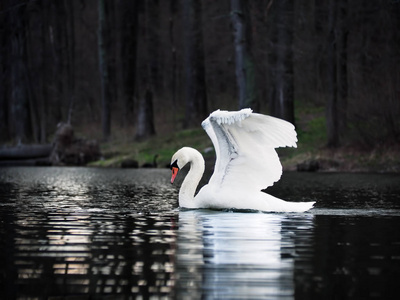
{"x":246,"y":163}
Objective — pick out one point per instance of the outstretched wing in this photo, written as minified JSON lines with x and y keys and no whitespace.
{"x":245,"y":145}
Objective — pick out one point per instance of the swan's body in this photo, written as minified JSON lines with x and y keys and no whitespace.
{"x":246,"y":163}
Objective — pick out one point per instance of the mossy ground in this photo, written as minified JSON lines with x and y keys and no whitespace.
{"x":144,"y":151}
{"x":311,"y":131}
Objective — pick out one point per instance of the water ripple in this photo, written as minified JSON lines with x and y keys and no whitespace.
{"x":95,"y":233}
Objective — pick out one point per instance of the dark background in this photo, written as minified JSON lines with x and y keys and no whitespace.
{"x":150,"y":67}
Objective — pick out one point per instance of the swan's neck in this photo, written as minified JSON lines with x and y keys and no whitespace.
{"x":191,"y":181}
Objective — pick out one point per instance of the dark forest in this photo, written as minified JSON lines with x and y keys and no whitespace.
{"x":148,"y":67}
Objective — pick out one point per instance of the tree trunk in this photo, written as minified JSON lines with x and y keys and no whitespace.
{"x":129,"y":41}
{"x":244,"y":62}
{"x":4,"y":128}
{"x":337,"y":71}
{"x":104,"y":74}
{"x":332,"y":105}
{"x":57,"y":37}
{"x":44,"y":79}
{"x":152,"y":38}
{"x":195,"y":84}
{"x":173,"y":72}
{"x":145,"y":122}
{"x":145,"y":115}
{"x":18,"y":69}
{"x":70,"y":39}
{"x":342,"y":64}
{"x":111,"y":52}
{"x":37,"y":56}
{"x":282,"y":89}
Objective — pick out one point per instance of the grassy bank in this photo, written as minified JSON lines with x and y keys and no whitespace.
{"x":143,"y":152}
{"x":311,"y":130}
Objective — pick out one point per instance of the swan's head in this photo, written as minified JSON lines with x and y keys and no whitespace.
{"x":180,"y":159}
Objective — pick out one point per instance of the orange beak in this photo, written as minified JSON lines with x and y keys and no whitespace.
{"x":174,"y":173}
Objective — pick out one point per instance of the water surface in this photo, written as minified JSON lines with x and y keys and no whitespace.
{"x":94,"y":233}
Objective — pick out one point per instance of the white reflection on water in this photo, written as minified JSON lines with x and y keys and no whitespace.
{"x":234,"y":255}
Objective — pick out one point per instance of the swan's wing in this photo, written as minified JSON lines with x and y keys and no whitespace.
{"x":245,"y":145}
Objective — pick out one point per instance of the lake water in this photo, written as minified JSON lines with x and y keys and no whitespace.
{"x":88,"y":233}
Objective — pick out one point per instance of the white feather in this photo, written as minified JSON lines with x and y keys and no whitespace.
{"x":244,"y":143}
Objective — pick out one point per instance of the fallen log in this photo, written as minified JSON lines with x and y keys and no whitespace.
{"x":25,"y":152}
{"x":65,"y":150}
{"x":25,"y":162}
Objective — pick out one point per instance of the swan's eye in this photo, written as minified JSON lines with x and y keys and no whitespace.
{"x":174,"y":165}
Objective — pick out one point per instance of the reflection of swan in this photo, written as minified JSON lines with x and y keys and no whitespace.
{"x":229,"y":255}
{"x":246,"y":163}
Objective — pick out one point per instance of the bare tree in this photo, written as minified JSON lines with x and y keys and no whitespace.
{"x":104,"y":72}
{"x":145,"y":114}
{"x":195,"y":82}
{"x":4,"y":132}
{"x":337,"y":71}
{"x":37,"y":72}
{"x":18,"y":70}
{"x":70,"y":39}
{"x":152,"y":38}
{"x":281,"y":62}
{"x":173,"y":81}
{"x":58,"y":36}
{"x":342,"y":41}
{"x":245,"y":73}
{"x":145,"y":121}
{"x":128,"y":50}
{"x":43,"y":100}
